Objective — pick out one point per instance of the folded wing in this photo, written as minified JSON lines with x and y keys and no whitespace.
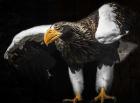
{"x":27,"y":47}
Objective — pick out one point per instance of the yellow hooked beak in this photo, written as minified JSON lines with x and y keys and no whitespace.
{"x":51,"y":35}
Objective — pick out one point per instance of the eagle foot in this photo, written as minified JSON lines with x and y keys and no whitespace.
{"x":102,"y":96}
{"x":77,"y":99}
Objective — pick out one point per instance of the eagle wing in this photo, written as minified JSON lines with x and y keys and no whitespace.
{"x":125,"y":48}
{"x":27,"y":48}
{"x":112,"y":24}
{"x":32,"y":34}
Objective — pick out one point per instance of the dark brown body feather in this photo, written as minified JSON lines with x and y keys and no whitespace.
{"x":83,"y":46}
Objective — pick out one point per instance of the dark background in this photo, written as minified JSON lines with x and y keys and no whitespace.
{"x":30,"y":84}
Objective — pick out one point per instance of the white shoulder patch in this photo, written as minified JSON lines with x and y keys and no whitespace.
{"x":31,"y":32}
{"x":107,"y":31}
{"x":20,"y":39}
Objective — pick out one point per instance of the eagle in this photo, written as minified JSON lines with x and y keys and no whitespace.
{"x":97,"y":37}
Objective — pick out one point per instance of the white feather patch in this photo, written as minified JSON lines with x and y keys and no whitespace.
{"x":77,"y":81}
{"x":104,"y":77}
{"x":20,"y":39}
{"x":107,"y":31}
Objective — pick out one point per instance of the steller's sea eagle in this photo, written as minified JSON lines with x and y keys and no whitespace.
{"x":98,"y":37}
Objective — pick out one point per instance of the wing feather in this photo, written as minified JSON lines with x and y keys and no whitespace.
{"x":26,"y":49}
{"x":33,"y":34}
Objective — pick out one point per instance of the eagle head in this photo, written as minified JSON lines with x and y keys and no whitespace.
{"x":59,"y":31}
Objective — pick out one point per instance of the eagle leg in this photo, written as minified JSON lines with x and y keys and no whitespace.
{"x":102,"y":96}
{"x":76,"y":78}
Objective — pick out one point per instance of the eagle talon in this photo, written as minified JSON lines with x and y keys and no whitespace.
{"x":75,"y":100}
{"x":102,"y":96}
